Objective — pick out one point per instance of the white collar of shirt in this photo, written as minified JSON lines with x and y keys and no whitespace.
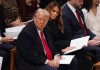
{"x":71,"y":7}
{"x":73,"y":10}
{"x":38,"y":32}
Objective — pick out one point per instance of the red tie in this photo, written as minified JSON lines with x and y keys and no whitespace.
{"x":46,"y":47}
{"x":80,"y":21}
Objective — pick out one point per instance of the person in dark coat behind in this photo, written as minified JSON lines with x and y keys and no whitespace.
{"x":5,"y":43}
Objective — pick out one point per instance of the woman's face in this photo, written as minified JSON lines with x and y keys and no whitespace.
{"x":95,"y":2}
{"x":54,"y":12}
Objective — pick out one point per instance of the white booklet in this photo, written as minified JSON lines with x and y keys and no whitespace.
{"x":13,"y":32}
{"x":15,"y":29}
{"x":66,"y":59}
{"x":1,"y":60}
{"x":78,"y":44}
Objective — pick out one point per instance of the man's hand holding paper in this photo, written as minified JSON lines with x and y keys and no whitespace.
{"x":68,"y":48}
{"x":7,"y":39}
{"x":78,"y":43}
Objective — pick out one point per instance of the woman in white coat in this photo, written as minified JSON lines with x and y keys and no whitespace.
{"x":91,"y":10}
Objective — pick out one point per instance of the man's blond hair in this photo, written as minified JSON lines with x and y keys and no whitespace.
{"x":42,"y":12}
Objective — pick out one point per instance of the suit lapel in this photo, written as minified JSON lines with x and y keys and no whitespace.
{"x":73,"y":17}
{"x":37,"y":37}
{"x":48,"y":39}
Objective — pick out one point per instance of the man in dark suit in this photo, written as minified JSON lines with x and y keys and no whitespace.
{"x":5,"y":43}
{"x":33,"y":43}
{"x":74,"y":26}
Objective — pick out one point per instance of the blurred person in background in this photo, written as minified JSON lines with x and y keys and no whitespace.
{"x":27,"y":8}
{"x":11,"y":11}
{"x":91,"y":10}
{"x":6,"y":43}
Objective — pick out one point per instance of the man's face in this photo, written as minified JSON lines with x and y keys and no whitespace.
{"x":77,"y":3}
{"x":40,"y":21}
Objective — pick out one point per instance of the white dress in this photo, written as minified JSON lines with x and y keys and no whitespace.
{"x":93,"y":21}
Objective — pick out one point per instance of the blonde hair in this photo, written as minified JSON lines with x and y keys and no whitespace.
{"x":41,"y":11}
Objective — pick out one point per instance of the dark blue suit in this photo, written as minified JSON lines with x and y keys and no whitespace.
{"x":73,"y":30}
{"x":4,"y":47}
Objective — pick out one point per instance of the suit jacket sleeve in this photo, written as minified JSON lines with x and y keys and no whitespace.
{"x":92,"y":35}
